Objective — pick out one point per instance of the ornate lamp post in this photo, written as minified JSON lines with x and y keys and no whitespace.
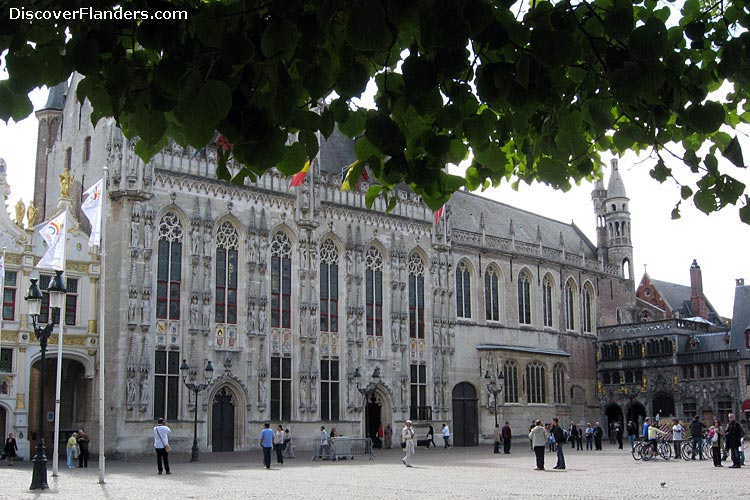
{"x":189,"y":378}
{"x":495,"y":384}
{"x":369,"y":390}
{"x":34,"y":299}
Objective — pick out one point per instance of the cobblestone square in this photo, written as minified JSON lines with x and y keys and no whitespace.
{"x":437,"y":473}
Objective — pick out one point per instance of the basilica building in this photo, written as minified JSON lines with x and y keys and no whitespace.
{"x":312,"y":309}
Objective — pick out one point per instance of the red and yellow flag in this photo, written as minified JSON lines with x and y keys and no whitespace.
{"x":299,"y":177}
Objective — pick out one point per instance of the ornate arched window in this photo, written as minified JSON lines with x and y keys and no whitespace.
{"x":588,"y":297}
{"x":536,"y":383}
{"x":510,"y":374}
{"x":524,"y":298}
{"x":169,"y":267}
{"x":416,"y":296}
{"x":570,"y":305}
{"x":329,"y":287}
{"x":227,"y":243}
{"x":374,"y":292}
{"x":491,"y":295}
{"x":558,"y":383}
{"x":463,"y":291}
{"x":547,"y":300}
{"x":281,"y":281}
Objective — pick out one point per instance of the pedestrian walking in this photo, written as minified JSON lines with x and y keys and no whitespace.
{"x":498,"y":438}
{"x":388,"y":436}
{"x":446,"y":436}
{"x":161,"y":445}
{"x":632,"y":431}
{"x":715,"y":434}
{"x":589,"y":436}
{"x":618,"y":434}
{"x":278,"y":444}
{"x":560,"y":439}
{"x":598,"y":433}
{"x":407,"y":437}
{"x":431,"y":437}
{"x":10,"y":449}
{"x":288,"y":444}
{"x":678,"y":433}
{"x":266,"y":442}
{"x":538,"y":437}
{"x":646,"y":425}
{"x":611,"y":432}
{"x":381,"y":436}
{"x":70,"y":448}
{"x":734,"y":435}
{"x":697,"y":429}
{"x":506,"y":434}
{"x":83,"y":449}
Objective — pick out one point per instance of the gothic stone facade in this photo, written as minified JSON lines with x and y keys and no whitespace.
{"x":288,"y":291}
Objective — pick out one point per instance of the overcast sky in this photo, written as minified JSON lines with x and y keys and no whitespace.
{"x":719,"y":242}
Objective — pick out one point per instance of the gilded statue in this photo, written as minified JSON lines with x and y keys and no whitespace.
{"x":65,"y":180}
{"x":31,"y":214}
{"x":20,"y":210}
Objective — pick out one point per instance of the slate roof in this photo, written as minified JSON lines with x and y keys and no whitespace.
{"x":678,"y":298}
{"x":741,"y":319}
{"x":615,"y":188}
{"x":336,"y":153}
{"x":467,"y":208}
{"x":56,"y":96}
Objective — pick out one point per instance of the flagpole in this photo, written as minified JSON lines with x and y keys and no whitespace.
{"x":59,"y":361}
{"x":2,"y":296}
{"x":102,"y":256}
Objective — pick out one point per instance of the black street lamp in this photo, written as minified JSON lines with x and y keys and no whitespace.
{"x":195,"y":386}
{"x":368,"y":390}
{"x":494,"y":383}
{"x":34,"y":298}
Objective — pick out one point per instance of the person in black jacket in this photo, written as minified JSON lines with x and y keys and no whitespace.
{"x":598,"y":433}
{"x":632,"y":432}
{"x":573,"y":434}
{"x":559,"y":435}
{"x":618,"y":434}
{"x":696,"y":430}
{"x":734,"y":435}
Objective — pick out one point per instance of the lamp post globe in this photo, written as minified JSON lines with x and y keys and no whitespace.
{"x":189,"y":378}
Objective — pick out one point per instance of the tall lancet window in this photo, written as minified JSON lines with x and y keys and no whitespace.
{"x":463,"y":291}
{"x":227,"y":243}
{"x":329,"y":287}
{"x":281,"y":281}
{"x":169,"y":267}
{"x":374,"y":292}
{"x":416,"y":297}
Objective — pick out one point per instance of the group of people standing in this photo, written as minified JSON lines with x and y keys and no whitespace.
{"x":502,"y":436}
{"x":539,"y":436}
{"x":281,"y":441}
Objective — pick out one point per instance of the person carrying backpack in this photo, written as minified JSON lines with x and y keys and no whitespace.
{"x":561,"y":437}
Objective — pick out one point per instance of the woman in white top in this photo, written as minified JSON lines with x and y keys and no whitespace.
{"x":278,"y":443}
{"x":678,"y":433}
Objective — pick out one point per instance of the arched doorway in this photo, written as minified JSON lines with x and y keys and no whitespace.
{"x":465,"y":415}
{"x":3,"y":422}
{"x":75,"y":401}
{"x":663,"y":404}
{"x":373,"y":419}
{"x":636,"y":413}
{"x":614,"y":415}
{"x":222,"y":420}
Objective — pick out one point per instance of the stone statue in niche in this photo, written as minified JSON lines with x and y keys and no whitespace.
{"x":196,"y":240}
{"x":251,"y":319}
{"x":395,"y":331}
{"x":31,"y":214}
{"x":404,"y":391}
{"x":195,"y":313}
{"x":262,"y":319}
{"x":145,"y":310}
{"x":303,"y":391}
{"x":145,"y":393}
{"x":206,"y":314}
{"x":134,"y":234}
{"x":132,"y":309}
{"x":253,"y":250}
{"x":261,"y":391}
{"x":130,"y":391}
{"x":351,"y":326}
{"x":148,"y":235}
{"x":207,"y":240}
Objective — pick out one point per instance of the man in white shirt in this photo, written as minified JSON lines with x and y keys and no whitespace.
{"x":407,"y":436}
{"x":161,"y":444}
{"x":446,"y":436}
{"x":678,"y":433}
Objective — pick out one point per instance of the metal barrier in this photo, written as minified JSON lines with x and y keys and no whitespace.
{"x":343,"y":447}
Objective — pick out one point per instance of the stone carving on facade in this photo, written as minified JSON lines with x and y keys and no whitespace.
{"x":132,"y":307}
{"x":262,"y":319}
{"x":145,"y":391}
{"x":196,"y":240}
{"x":131,"y":389}
{"x":261,"y":392}
{"x":195,"y":312}
{"x":206,"y":314}
{"x":146,"y":308}
{"x":135,"y":231}
{"x":148,"y":235}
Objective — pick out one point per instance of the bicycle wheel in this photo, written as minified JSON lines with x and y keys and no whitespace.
{"x":636,"y":450}
{"x":665,"y":450}
{"x":708,"y":451}
{"x":646,"y":450}
{"x":687,"y":451}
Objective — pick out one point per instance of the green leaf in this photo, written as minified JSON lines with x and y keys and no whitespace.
{"x":648,"y":42}
{"x":554,"y":173}
{"x":150,"y":125}
{"x":705,"y":118}
{"x":372,"y":193}
{"x":745,"y":212}
{"x":686,"y":192}
{"x":660,"y":172}
{"x":354,"y":124}
{"x":733,"y":153}
{"x":208,"y":103}
{"x":366,"y":27}
{"x":279,"y":37}
{"x":13,"y":105}
{"x":385,"y":135}
{"x":364,"y":149}
{"x":294,"y":159}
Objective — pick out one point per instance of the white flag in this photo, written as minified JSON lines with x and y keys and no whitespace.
{"x":92,"y":208}
{"x":2,"y":270}
{"x":54,"y":233}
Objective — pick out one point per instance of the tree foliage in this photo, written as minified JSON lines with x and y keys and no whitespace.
{"x":528,"y":92}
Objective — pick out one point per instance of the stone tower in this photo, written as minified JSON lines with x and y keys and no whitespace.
{"x":50,"y":119}
{"x":616,"y":213}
